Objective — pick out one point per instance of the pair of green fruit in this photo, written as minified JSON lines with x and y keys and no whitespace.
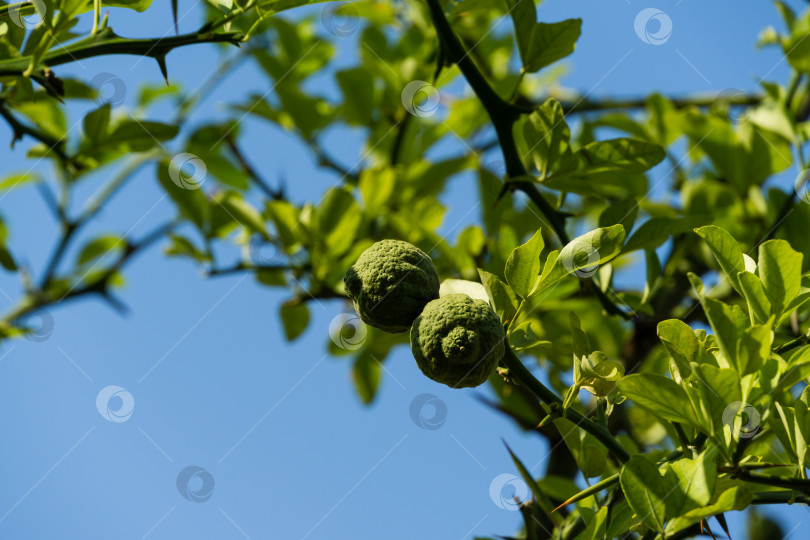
{"x":455,"y":340}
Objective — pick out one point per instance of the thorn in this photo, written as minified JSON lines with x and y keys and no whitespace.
{"x":503,"y":191}
{"x":543,"y":421}
{"x":721,"y":519}
{"x":174,"y":15}
{"x":115,"y":303}
{"x":161,"y":60}
{"x":704,"y":523}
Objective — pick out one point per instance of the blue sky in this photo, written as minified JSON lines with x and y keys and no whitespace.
{"x":291,"y":451}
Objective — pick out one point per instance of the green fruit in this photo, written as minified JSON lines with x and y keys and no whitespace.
{"x":390,"y":284}
{"x":457,"y":341}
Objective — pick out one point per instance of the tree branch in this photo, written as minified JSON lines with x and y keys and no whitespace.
{"x":39,"y":299}
{"x":274,"y":194}
{"x":520,"y":373}
{"x":572,"y":106}
{"x":107,"y":42}
{"x":503,"y":116}
{"x":19,"y":130}
{"x":801,"y":485}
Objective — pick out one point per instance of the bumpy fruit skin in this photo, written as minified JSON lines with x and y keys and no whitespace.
{"x":457,"y":341}
{"x":390,"y":284}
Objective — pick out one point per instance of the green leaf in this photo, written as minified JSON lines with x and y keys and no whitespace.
{"x":339,"y":220}
{"x":744,"y":157}
{"x":608,"y":169}
{"x":286,"y":218}
{"x":726,"y":250}
{"x":376,"y":186}
{"x":501,"y":296}
{"x":523,"y":266}
{"x":653,"y":272}
{"x":473,"y":289}
{"x":621,"y":520}
{"x":141,"y":135}
{"x":696,"y":480}
{"x":548,"y":136}
{"x":99,"y":247}
{"x":797,"y":51}
{"x":780,"y":268}
{"x":224,"y":170}
{"x":582,"y":256}
{"x":183,"y":247}
{"x":524,"y":336}
{"x":788,"y":15}
{"x":596,"y":524}
{"x":622,"y":212}
{"x":733,"y":499}
{"x":272,"y":277}
{"x":19,"y":180}
{"x":366,"y":373}
{"x":589,"y":453}
{"x":598,"y":375}
{"x":541,"y":44}
{"x":137,"y":5}
{"x":669,"y":401}
{"x":727,"y":323}
{"x":754,"y":348}
{"x":295,"y":318}
{"x":783,"y":425}
{"x":580,"y":340}
{"x":646,"y":491}
{"x":7,"y":259}
{"x":759,"y":307}
{"x":244,"y":213}
{"x":357,"y":85}
{"x":711,"y":391}
{"x":191,"y":202}
{"x":551,"y":42}
{"x":96,"y":124}
{"x":623,"y":154}
{"x":655,"y":231}
{"x":680,"y":341}
{"x":539,"y":496}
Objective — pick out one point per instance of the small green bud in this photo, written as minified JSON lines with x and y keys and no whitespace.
{"x":457,"y":341}
{"x":390,"y":284}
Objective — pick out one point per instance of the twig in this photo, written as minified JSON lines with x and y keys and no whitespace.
{"x":39,"y":299}
{"x":325,"y":160}
{"x":243,"y":267}
{"x":274,"y":194}
{"x":71,"y":227}
{"x":798,"y":484}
